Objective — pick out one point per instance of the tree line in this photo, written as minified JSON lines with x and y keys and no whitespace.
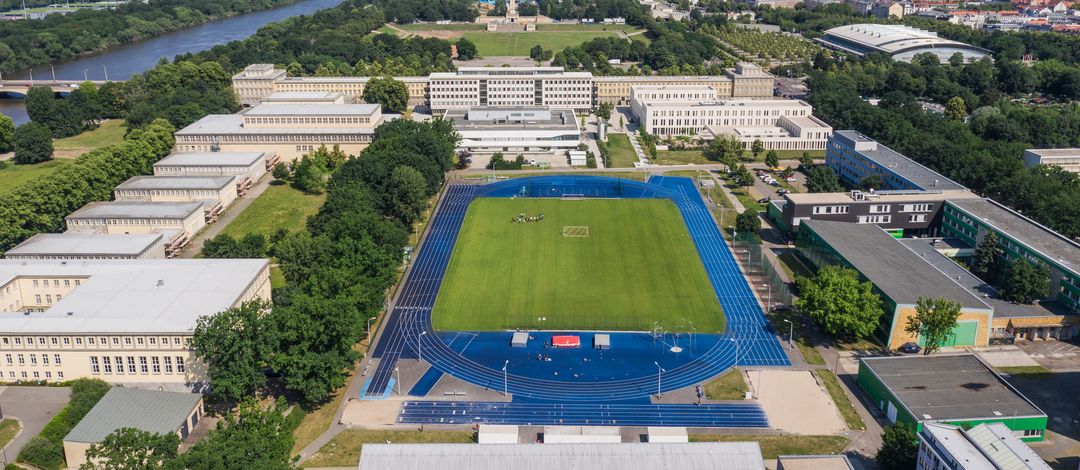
{"x":675,"y":49}
{"x":338,"y":271}
{"x":58,"y":37}
{"x":410,"y":11}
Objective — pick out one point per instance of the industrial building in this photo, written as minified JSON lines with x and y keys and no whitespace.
{"x":216,"y":193}
{"x":153,"y":411}
{"x":1066,"y":159}
{"x":855,"y":156}
{"x":695,"y":110}
{"x":248,"y":166}
{"x":958,"y":390}
{"x":988,"y":446}
{"x":98,"y":246}
{"x":524,"y":129}
{"x":124,"y":321}
{"x":900,"y":42}
{"x":288,"y":130}
{"x":504,"y":86}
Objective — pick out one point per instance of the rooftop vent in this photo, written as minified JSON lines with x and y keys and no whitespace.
{"x":160,"y":282}
{"x":70,"y":313}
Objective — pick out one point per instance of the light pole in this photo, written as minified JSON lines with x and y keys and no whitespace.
{"x":791,"y":331}
{"x":106,"y":72}
{"x":736,"y":352}
{"x":86,"y":75}
{"x":397,"y":385}
{"x":31,"y":77}
{"x":368,"y":329}
{"x":419,"y":350}
{"x":507,"y":363}
{"x":768,"y":305}
{"x":659,"y":375}
{"x":53,"y":72}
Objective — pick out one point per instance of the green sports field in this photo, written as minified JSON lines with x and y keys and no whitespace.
{"x":490,"y":44}
{"x":637,"y":265}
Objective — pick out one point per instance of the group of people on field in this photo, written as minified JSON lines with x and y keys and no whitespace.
{"x":523,"y":219}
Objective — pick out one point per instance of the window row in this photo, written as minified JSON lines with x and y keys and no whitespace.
{"x":42,"y":341}
{"x":109,"y":365}
{"x":21,"y":359}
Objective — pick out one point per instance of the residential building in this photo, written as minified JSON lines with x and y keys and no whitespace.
{"x":127,"y":321}
{"x":949,"y":389}
{"x":89,"y":246}
{"x":901,"y":213}
{"x":153,"y":411}
{"x":987,"y":446}
{"x":855,"y":156}
{"x":524,"y":129}
{"x":902,"y":43}
{"x":1066,"y":159}
{"x":249,"y":167}
{"x":216,"y":193}
{"x":888,"y":10}
{"x":775,"y":3}
{"x":658,"y":456}
{"x":899,"y":276}
{"x":693,"y":110}
{"x":288,"y":130}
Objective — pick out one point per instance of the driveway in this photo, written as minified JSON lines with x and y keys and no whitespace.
{"x":34,"y":406}
{"x":1058,"y":356}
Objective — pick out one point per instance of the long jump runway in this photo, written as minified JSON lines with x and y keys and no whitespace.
{"x":573,"y":414}
{"x":409,"y":330}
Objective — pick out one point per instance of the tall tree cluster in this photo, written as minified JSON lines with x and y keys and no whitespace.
{"x":839,"y":302}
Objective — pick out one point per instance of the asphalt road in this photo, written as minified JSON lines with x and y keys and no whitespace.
{"x":34,"y":406}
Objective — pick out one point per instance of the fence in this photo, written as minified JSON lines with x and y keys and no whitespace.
{"x":763,"y":273}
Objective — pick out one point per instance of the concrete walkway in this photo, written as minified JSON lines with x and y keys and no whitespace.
{"x":194,"y":247}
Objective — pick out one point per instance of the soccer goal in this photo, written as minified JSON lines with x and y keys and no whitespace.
{"x":575,"y":231}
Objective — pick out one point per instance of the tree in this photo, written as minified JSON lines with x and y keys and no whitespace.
{"x":899,"y":448}
{"x":726,"y":149}
{"x":984,"y":263}
{"x":250,"y":438}
{"x":536,"y":52}
{"x":836,"y":300}
{"x":281,"y":171}
{"x":806,"y":161}
{"x":7,"y":134}
{"x":391,"y":94}
{"x":466,"y":50}
{"x":234,"y":345}
{"x":310,"y":173}
{"x":748,"y":222}
{"x":743,"y":177}
{"x":822,"y":179}
{"x":933,"y":321}
{"x":772,"y":160}
{"x":1025,"y":282}
{"x":871,"y":182}
{"x":756,"y":148}
{"x":408,"y":194}
{"x":955,"y":109}
{"x":132,"y":449}
{"x":33,"y":143}
{"x":604,"y":110}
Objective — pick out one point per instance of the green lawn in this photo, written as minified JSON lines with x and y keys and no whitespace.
{"x":8,"y":429}
{"x":774,"y":446}
{"x":681,"y":157}
{"x":344,"y":449}
{"x":518,"y":44}
{"x":13,"y":175}
{"x":637,"y":265}
{"x":279,"y":206}
{"x":1033,"y":372}
{"x":730,"y":386}
{"x":843,"y":404}
{"x":622,"y":154}
{"x":388,"y":30}
{"x":108,"y":133}
{"x":629,"y":28}
{"x":442,"y":27}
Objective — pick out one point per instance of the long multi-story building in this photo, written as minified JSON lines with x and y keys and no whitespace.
{"x":288,"y":130}
{"x":901,"y":213}
{"x":1066,"y":159}
{"x":503,"y":86}
{"x":855,"y":156}
{"x":92,"y":246}
{"x":127,"y":321}
{"x":695,"y":110}
{"x":248,"y":167}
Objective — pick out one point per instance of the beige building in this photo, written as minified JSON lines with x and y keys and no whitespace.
{"x":694,"y":110}
{"x":1066,"y":159}
{"x":288,"y":130}
{"x":325,"y":97}
{"x":76,"y":245}
{"x":126,"y":321}
{"x":503,"y":86}
{"x":178,"y":221}
{"x":248,"y":167}
{"x":215,"y":192}
{"x":153,"y":411}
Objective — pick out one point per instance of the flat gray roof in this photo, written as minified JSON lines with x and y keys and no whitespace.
{"x":309,"y":109}
{"x":289,"y":96}
{"x":653,"y":456}
{"x":131,"y":296}
{"x":216,"y":124}
{"x":177,"y":182}
{"x":897,"y":271}
{"x":943,"y":388}
{"x":528,"y":119}
{"x":1035,"y":236}
{"x":85,"y":244}
{"x":244,"y":159}
{"x":893,"y":161}
{"x":146,"y":410}
{"x":1070,"y":152}
{"x":136,"y":209}
{"x":926,"y":249}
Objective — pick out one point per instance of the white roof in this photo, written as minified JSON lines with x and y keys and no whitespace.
{"x":136,"y":210}
{"x":132,"y":296}
{"x":896,"y":40}
{"x":312,"y":109}
{"x":1069,"y":152}
{"x":302,"y":96}
{"x":244,"y":159}
{"x":176,"y":182}
{"x":653,"y":456}
{"x":1002,"y":447}
{"x":85,"y":244}
{"x":951,"y":439}
{"x":218,"y":124}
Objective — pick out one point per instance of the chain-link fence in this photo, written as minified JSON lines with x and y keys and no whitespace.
{"x":763,"y":273}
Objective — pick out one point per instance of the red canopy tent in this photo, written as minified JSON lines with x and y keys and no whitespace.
{"x":565,"y":341}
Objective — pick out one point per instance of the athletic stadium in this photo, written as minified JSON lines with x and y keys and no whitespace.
{"x":902,"y":43}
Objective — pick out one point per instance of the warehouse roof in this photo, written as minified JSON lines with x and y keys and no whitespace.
{"x":1036,"y":237}
{"x":892,"y":161}
{"x":213,"y":159}
{"x":132,"y":296}
{"x":85,"y":244}
{"x":146,"y":410}
{"x":218,"y":124}
{"x":949,"y":388}
{"x":654,"y":456}
{"x":894,"y":269}
{"x":177,"y":182}
{"x":136,"y":210}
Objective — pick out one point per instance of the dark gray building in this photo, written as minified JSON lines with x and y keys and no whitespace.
{"x":906,"y":213}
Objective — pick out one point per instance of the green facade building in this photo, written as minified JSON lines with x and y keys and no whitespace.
{"x":959,"y":390}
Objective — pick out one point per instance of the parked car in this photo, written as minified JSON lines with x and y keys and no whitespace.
{"x":782,"y":191}
{"x":790,"y":179}
{"x":763,"y":200}
{"x":909,"y":348}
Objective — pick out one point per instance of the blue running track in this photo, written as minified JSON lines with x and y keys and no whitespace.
{"x":409,"y":330}
{"x":572,"y":414}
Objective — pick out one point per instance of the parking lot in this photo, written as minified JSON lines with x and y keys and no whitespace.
{"x":1058,"y":356}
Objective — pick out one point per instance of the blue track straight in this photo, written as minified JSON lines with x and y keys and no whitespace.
{"x":550,"y":414}
{"x":409,"y":330}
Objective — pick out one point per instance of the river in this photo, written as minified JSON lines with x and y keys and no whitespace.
{"x":122,"y":62}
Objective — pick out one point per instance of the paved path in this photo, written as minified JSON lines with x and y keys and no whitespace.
{"x":34,"y":406}
{"x":194,"y":247}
